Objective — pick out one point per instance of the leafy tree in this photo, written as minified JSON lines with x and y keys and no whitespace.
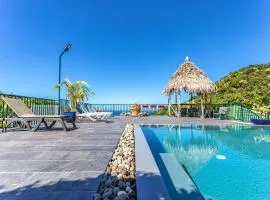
{"x":249,"y":85}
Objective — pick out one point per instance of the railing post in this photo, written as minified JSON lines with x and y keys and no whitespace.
{"x":3,"y":113}
{"x":242,"y":113}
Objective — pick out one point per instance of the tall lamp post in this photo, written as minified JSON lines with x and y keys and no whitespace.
{"x":67,"y":47}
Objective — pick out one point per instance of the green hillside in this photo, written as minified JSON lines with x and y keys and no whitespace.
{"x":249,"y":85}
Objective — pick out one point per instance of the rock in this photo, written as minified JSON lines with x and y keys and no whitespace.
{"x":101,"y":189}
{"x":116,"y":190}
{"x":114,"y":184}
{"x":124,"y":172}
{"x":107,"y":193}
{"x":127,"y":167}
{"x":114,"y":173}
{"x":97,"y":196}
{"x":121,"y":185}
{"x":120,"y":198}
{"x":127,"y":184}
{"x":108,"y":182}
{"x":128,"y":189}
{"x":122,"y":193}
{"x":120,"y":176}
{"x":133,"y":186}
{"x":114,"y":179}
{"x":132,"y":194}
{"x":108,"y":170}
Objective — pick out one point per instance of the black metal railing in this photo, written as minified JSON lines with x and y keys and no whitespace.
{"x":117,"y":109}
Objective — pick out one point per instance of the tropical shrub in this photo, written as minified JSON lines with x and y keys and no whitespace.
{"x":262,"y":110}
{"x":75,"y":92}
{"x":163,"y":111}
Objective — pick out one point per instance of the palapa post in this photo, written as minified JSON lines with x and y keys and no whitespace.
{"x":188,"y":78}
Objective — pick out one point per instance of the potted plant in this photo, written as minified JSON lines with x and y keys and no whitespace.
{"x":75,"y":92}
{"x":135,"y":110}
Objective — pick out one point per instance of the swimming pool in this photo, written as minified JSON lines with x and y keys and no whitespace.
{"x":225,"y":163}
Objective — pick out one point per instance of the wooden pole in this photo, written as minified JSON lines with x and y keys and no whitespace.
{"x":179,"y":105}
{"x":175,"y":102}
{"x":169,"y":105}
{"x":202,"y":106}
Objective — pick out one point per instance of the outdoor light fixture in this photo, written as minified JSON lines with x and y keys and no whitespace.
{"x":66,"y":49}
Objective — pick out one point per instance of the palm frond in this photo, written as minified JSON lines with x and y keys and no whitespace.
{"x":78,"y":91}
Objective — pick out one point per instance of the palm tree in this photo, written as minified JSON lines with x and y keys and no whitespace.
{"x":78,"y":91}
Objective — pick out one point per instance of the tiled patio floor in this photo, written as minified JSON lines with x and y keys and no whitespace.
{"x":65,"y":165}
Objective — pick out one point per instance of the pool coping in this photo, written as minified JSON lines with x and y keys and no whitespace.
{"x":149,"y":186}
{"x":244,"y":124}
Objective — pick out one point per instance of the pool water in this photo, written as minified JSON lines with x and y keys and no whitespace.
{"x":225,"y":163}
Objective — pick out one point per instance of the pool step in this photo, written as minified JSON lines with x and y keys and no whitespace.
{"x":183,"y":186}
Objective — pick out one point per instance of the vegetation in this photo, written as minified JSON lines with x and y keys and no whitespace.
{"x":249,"y":85}
{"x":163,"y":111}
{"x":78,"y":91}
{"x":262,"y":110}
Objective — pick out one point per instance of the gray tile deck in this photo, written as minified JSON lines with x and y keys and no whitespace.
{"x":58,"y":165}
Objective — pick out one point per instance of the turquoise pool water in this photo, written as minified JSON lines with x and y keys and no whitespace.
{"x":226,"y":163}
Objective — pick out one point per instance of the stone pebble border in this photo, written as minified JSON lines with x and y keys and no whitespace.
{"x":119,"y":180}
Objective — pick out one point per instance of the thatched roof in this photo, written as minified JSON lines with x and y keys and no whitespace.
{"x":189,"y":78}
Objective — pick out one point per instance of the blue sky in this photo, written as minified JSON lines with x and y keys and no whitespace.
{"x":126,"y":50}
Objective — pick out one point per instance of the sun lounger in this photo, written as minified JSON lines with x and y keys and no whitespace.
{"x":26,"y":117}
{"x":93,"y":116}
{"x":222,"y":113}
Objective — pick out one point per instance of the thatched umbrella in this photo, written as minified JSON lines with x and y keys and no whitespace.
{"x":191,"y":79}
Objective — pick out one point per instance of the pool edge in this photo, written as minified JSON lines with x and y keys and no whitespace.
{"x":150,"y":184}
{"x":147,"y":189}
